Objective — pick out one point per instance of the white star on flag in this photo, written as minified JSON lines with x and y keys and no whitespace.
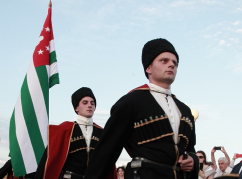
{"x":40,"y":51}
{"x":47,"y":29}
{"x":47,"y":48}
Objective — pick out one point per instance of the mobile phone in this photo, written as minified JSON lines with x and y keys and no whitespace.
{"x":201,"y":166}
{"x":238,"y":155}
{"x":217,"y":148}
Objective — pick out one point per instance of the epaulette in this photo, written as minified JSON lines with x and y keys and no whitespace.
{"x":143,"y":87}
{"x":174,"y":96}
{"x":94,"y":124}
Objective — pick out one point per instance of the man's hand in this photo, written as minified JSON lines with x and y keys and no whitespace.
{"x":234,"y":157}
{"x":187,"y":164}
{"x":201,"y":174}
{"x":213,"y":151}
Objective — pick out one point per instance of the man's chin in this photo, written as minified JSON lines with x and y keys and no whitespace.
{"x":169,"y":80}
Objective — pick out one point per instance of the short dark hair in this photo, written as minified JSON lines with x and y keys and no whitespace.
{"x":121,"y":168}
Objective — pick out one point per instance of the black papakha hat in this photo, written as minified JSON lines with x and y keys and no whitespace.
{"x":81,"y":93}
{"x":154,"y":48}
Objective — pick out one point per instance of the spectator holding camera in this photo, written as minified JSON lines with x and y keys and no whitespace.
{"x":223,"y":162}
{"x":238,"y":167}
{"x":206,"y":171}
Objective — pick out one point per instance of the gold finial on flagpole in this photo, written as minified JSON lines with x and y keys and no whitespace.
{"x":50,"y":4}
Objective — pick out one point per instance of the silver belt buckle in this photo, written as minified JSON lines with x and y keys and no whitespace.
{"x":68,"y":176}
{"x":136,"y":163}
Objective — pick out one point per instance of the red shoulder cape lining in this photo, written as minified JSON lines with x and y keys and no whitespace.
{"x":58,"y":147}
{"x":143,"y":87}
{"x":146,"y":87}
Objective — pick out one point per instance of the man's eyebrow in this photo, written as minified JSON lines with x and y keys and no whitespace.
{"x":87,"y":100}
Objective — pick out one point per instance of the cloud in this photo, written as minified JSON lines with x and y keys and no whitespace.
{"x":106,"y":10}
{"x":236,"y":23}
{"x":239,"y":30}
{"x":149,"y":10}
{"x":238,"y":69}
{"x":182,"y":3}
{"x":105,"y":112}
{"x":224,"y":34}
{"x":235,"y":40}
{"x":217,"y":33}
{"x":207,"y":36}
{"x":235,"y":66}
{"x":239,"y":9}
{"x":221,"y":42}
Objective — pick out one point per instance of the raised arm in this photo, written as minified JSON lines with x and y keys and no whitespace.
{"x":225,"y":154}
{"x":213,"y":159}
{"x":233,"y":160}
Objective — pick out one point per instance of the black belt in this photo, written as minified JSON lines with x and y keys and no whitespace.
{"x":137,"y":163}
{"x":72,"y":175}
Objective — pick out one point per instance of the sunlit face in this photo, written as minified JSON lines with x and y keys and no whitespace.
{"x":86,"y":107}
{"x":200,"y":157}
{"x":163,"y":69}
{"x":120,"y":172}
{"x":222,"y":165}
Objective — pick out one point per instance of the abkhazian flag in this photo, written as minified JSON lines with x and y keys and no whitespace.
{"x":29,"y":122}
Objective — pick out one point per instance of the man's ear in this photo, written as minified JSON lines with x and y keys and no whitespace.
{"x":76,"y":109}
{"x":148,"y":70}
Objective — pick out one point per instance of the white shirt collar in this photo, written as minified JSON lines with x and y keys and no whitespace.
{"x":84,"y":121}
{"x":159,"y":89}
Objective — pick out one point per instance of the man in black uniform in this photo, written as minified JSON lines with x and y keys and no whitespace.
{"x":157,"y":129}
{"x":71,"y":144}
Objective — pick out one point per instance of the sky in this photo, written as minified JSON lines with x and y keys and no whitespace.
{"x":99,"y":44}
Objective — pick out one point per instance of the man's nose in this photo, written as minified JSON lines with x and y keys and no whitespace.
{"x":171,"y":64}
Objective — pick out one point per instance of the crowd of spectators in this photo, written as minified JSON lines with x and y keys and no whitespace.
{"x":225,"y":167}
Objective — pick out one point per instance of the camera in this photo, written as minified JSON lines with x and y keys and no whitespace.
{"x":217,"y":148}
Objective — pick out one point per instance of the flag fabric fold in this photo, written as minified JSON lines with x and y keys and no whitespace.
{"x":28,"y":131}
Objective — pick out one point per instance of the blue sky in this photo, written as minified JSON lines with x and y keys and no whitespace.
{"x":99,"y":44}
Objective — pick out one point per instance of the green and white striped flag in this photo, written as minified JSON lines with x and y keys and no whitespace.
{"x":29,"y":122}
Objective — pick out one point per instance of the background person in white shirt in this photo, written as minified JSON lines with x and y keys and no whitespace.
{"x":223,"y":163}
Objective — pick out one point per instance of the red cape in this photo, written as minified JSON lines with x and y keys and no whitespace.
{"x":58,"y":147}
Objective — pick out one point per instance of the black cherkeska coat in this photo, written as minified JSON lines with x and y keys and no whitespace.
{"x":139,"y":124}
